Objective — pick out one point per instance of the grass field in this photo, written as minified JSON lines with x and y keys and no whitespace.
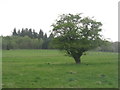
{"x":52,"y":69}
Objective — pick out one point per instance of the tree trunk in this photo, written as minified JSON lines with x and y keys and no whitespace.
{"x":76,"y":56}
{"x":77,"y":60}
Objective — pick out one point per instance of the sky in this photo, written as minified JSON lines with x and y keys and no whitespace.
{"x":41,"y":14}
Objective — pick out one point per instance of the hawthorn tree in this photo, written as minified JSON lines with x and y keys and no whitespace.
{"x":76,"y":34}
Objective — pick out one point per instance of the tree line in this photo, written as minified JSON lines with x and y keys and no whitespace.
{"x":27,"y":39}
{"x":109,"y":47}
{"x":30,"y":39}
{"x":29,"y":32}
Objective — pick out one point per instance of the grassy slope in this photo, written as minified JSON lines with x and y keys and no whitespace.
{"x":51,"y":69}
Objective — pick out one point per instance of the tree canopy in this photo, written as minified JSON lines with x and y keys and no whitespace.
{"x":76,"y":34}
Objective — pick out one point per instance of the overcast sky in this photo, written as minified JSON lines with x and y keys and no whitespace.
{"x":42,"y":13}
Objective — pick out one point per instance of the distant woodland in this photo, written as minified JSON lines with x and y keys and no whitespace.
{"x":30,"y":39}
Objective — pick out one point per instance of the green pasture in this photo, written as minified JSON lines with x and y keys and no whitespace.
{"x":52,"y":69}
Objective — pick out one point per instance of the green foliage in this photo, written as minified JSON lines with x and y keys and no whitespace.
{"x":16,"y":42}
{"x":51,"y":69}
{"x":75,"y":31}
{"x":27,"y":39}
{"x":76,"y":34}
{"x":0,"y":43}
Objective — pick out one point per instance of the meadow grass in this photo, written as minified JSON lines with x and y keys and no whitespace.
{"x":52,"y":69}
